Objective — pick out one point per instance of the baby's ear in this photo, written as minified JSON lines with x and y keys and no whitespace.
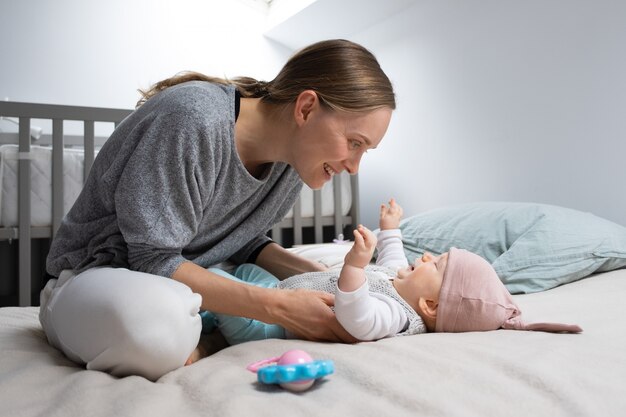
{"x":428,"y":307}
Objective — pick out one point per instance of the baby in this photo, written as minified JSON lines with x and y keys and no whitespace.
{"x":457,"y":291}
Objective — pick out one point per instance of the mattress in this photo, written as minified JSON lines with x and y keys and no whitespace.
{"x":41,"y":183}
{"x":41,"y":186}
{"x":497,"y":373}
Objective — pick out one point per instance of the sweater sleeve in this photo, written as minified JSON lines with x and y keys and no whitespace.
{"x":159,"y":199}
{"x":390,"y":249}
{"x":369,"y":316}
{"x":245,"y":253}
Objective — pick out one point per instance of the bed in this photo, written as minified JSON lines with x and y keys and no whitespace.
{"x":499,"y":373}
{"x":42,"y":170}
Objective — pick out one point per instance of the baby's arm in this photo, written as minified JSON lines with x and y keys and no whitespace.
{"x":352,"y":274}
{"x":390,"y":216}
{"x":390,"y":249}
{"x":365,"y":316}
{"x":369,"y":316}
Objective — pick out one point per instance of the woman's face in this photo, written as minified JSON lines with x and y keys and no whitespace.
{"x":331,"y":142}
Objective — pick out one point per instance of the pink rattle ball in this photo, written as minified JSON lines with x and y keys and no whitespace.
{"x":293,"y":357}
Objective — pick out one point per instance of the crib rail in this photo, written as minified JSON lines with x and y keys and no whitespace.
{"x":24,"y":112}
{"x":339,"y":221}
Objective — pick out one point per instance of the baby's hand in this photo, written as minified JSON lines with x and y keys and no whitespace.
{"x":364,"y":244}
{"x":390,"y":216}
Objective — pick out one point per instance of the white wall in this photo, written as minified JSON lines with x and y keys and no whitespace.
{"x":497,"y":100}
{"x":502,"y":100}
{"x":98,"y":53}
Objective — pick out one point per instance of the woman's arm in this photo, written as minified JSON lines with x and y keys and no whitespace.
{"x":282,"y":263}
{"x":305,"y":313}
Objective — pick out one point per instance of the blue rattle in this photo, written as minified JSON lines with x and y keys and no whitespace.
{"x":295,"y":370}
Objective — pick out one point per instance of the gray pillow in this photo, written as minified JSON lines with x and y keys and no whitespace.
{"x":533,"y":247}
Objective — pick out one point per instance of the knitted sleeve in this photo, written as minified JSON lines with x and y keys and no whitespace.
{"x":369,"y":316}
{"x":390,"y":249}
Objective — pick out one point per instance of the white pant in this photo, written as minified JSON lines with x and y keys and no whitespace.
{"x":121,"y":322}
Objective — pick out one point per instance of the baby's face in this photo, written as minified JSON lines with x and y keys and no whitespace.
{"x":423,"y":278}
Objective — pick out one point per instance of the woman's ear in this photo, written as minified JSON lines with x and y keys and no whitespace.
{"x":305,"y":103}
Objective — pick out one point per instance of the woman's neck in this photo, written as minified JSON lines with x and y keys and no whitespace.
{"x":259,"y":136}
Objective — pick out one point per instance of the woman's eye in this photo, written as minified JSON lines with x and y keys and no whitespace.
{"x":355,"y":144}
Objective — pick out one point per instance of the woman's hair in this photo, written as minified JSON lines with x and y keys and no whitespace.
{"x":345,"y":76}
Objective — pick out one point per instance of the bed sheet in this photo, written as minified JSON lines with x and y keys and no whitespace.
{"x":498,"y":373}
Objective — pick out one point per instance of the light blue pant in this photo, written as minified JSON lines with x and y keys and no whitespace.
{"x":241,"y":329}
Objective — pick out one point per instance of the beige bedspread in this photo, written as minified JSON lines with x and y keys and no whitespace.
{"x":501,"y":373}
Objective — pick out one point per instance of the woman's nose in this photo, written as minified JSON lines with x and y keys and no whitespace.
{"x":352,"y":164}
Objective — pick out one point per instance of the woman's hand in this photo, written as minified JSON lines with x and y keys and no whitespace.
{"x":282,"y":263}
{"x":303,"y":312}
{"x":390,"y":216}
{"x":308,"y":314}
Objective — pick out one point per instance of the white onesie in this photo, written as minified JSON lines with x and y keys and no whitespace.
{"x":371,"y":315}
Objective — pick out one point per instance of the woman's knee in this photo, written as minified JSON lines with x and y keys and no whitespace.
{"x":153,"y":344}
{"x":128,"y":323}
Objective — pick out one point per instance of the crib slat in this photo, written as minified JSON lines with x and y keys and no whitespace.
{"x":317,"y":213}
{"x":355,"y":211}
{"x":89,"y":147}
{"x":24,"y":214}
{"x":337,"y":210}
{"x":297,"y":222}
{"x":58,"y":192}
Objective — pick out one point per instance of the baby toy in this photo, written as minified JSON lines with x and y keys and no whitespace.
{"x":295,"y":370}
{"x":340,"y":241}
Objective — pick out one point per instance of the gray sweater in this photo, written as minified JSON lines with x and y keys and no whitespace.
{"x":168,"y":186}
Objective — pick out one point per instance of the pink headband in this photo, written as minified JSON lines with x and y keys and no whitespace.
{"x":472,"y":298}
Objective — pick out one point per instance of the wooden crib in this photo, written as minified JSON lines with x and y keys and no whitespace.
{"x":318,"y":216}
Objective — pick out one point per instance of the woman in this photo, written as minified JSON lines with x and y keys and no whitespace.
{"x":195,"y":176}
